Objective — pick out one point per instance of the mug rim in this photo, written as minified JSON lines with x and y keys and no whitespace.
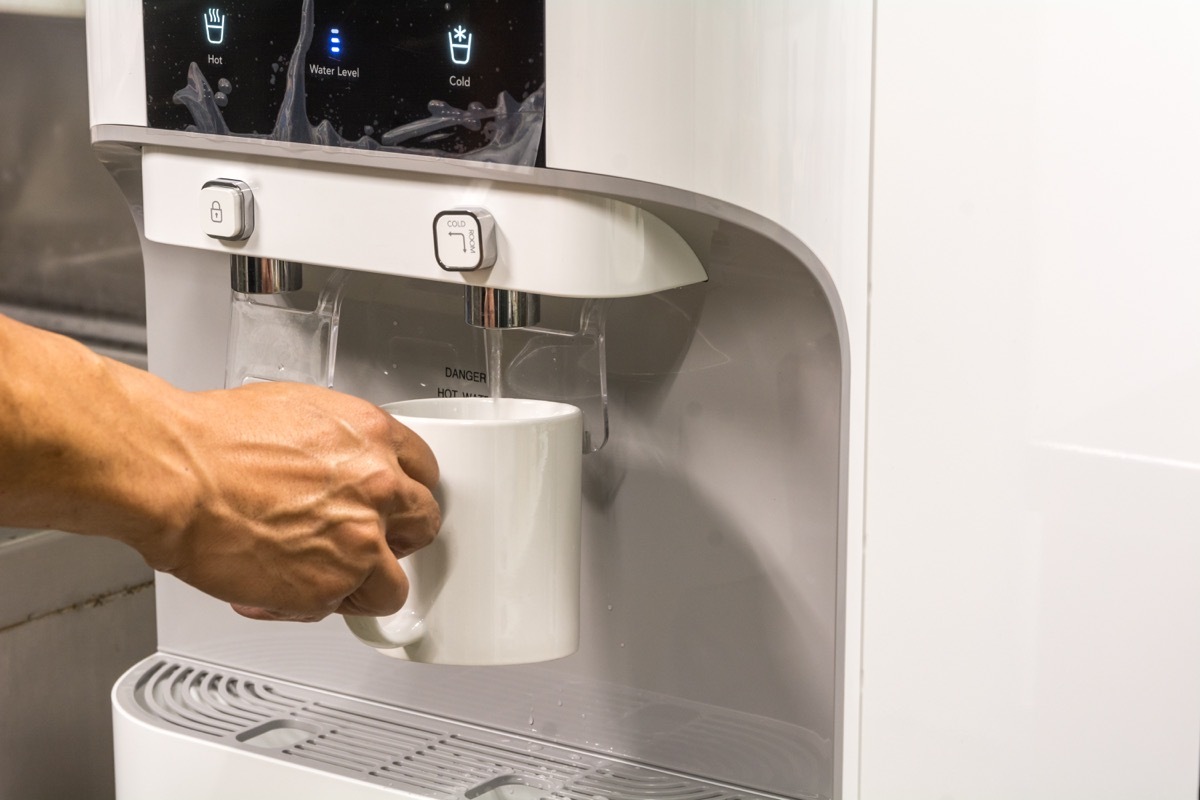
{"x":530,"y":410}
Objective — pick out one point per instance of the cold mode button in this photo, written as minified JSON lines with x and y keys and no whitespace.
{"x":464,"y":239}
{"x":226,"y":209}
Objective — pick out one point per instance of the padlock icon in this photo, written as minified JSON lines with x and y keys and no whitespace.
{"x":215,"y":213}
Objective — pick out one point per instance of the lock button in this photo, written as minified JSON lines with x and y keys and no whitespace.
{"x":227,"y":209}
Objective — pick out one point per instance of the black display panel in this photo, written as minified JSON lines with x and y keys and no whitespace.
{"x":449,"y":78}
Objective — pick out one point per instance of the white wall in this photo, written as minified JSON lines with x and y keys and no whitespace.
{"x":1032,"y":571}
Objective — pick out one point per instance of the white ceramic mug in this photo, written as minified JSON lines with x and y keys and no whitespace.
{"x":500,"y":584}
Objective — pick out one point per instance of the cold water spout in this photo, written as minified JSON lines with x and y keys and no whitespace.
{"x":502,"y":308}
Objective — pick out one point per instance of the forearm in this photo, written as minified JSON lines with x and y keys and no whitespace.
{"x":90,"y":445}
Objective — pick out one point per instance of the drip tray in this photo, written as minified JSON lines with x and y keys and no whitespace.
{"x":386,"y":746}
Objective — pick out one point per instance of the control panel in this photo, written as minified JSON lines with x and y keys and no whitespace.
{"x":458,"y":78}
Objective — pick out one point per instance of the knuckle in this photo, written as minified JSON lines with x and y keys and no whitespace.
{"x":328,"y":593}
{"x":431,"y":512}
{"x":359,"y":544}
{"x":376,"y":423}
{"x":372,"y":421}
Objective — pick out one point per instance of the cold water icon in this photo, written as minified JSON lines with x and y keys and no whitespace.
{"x":214,"y":25}
{"x":460,"y":45}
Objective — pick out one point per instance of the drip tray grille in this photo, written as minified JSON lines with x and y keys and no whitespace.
{"x":391,"y":747}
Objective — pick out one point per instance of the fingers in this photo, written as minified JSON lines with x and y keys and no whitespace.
{"x":414,"y":521}
{"x":415,"y":518}
{"x":414,"y":455}
{"x":383,"y":592}
{"x":266,"y":615}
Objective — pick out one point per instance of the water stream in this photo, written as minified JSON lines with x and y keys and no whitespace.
{"x":493,"y":340}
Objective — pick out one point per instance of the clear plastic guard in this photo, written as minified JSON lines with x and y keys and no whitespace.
{"x":567,"y":366}
{"x":276,"y":338}
{"x":272,"y":340}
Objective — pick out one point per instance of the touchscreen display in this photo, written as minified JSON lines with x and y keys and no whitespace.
{"x":448,"y":78}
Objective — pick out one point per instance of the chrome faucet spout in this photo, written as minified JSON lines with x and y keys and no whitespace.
{"x":502,"y":308}
{"x":254,"y":275}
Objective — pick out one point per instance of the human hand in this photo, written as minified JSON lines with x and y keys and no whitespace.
{"x":289,"y":501}
{"x":305,"y":499}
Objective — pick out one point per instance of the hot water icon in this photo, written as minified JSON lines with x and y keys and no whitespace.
{"x":214,"y":25}
{"x":460,"y":45}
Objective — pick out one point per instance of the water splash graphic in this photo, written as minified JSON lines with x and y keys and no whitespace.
{"x":201,"y":103}
{"x":514,"y":136}
{"x":292,"y":125}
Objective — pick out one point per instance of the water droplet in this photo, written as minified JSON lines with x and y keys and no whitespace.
{"x":610,"y":606}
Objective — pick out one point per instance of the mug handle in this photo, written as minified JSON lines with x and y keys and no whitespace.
{"x":388,"y":633}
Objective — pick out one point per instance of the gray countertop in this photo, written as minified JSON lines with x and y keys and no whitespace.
{"x":46,"y":571}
